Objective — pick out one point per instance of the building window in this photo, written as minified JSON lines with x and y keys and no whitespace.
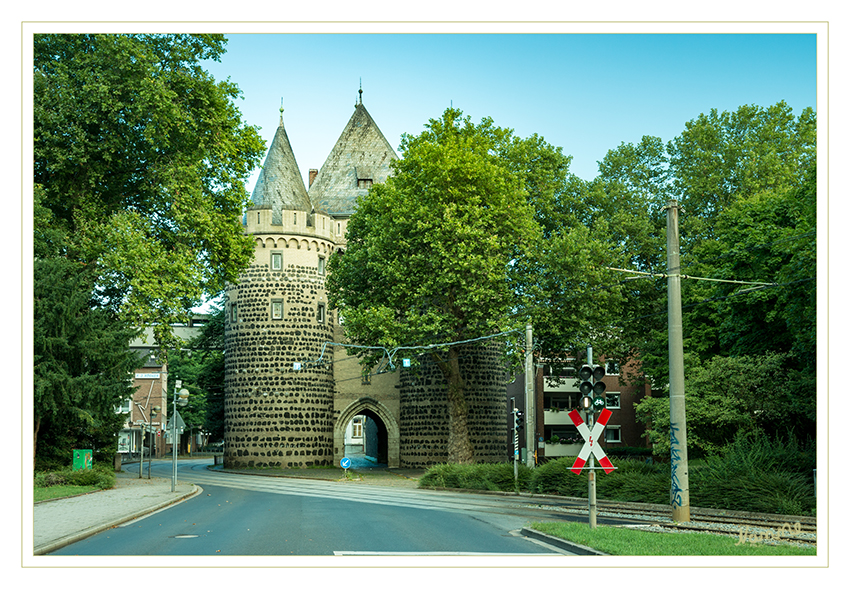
{"x":321,"y":266}
{"x":125,"y":407}
{"x":364,"y":183}
{"x":612,"y":400}
{"x":365,"y":376}
{"x":295,"y":218}
{"x":277,"y":309}
{"x":357,"y":427}
{"x":612,"y":434}
{"x":612,"y":367}
{"x":233,"y":313}
{"x":277,"y":261}
{"x":320,"y":313}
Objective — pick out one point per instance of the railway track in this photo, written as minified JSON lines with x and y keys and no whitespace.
{"x":748,"y":526}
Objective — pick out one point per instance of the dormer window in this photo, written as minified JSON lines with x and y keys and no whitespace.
{"x":364,"y":183}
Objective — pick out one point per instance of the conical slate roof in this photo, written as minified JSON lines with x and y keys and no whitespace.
{"x":280,"y":184}
{"x":361,"y":156}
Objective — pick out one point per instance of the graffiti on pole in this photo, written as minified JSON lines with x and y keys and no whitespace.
{"x":675,"y":459}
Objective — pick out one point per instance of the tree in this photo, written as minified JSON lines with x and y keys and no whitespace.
{"x":719,"y":162}
{"x":81,"y":361}
{"x":730,"y":396}
{"x":142,"y":157}
{"x":208,"y":353}
{"x":428,"y":252}
{"x":722,"y":157}
{"x":562,"y":286}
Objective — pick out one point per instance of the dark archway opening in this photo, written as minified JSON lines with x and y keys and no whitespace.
{"x":374,"y":451}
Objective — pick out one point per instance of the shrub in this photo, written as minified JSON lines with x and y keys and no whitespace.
{"x":49,"y":479}
{"x":98,"y":477}
{"x":554,"y":478}
{"x":486,"y":477}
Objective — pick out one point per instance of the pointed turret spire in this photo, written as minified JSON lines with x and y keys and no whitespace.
{"x":280,"y":184}
{"x":361,"y":157}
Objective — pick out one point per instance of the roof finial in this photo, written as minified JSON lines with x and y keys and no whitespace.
{"x":360,"y":99}
{"x":281,"y":110}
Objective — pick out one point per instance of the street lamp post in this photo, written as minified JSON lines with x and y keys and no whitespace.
{"x":154,"y":412}
{"x":182,"y":401}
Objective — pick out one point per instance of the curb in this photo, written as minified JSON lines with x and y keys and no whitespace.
{"x":76,"y":537}
{"x":561,"y":543}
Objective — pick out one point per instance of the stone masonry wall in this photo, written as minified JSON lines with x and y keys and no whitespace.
{"x":424,"y":420}
{"x":275,"y":415}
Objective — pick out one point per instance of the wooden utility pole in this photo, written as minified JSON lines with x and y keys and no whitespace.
{"x":679,"y":491}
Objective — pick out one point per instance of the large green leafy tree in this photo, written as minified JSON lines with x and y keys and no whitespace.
{"x":428,"y":252}
{"x":746,"y":183}
{"x":562,"y":285}
{"x":720,"y":162}
{"x":142,"y":157}
{"x":201,"y":368}
{"x":81,"y":359}
{"x":475,"y":233}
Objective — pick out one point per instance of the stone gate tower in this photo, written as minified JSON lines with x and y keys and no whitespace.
{"x":282,"y":409}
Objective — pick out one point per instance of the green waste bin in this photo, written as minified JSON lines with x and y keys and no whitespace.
{"x":82,"y":459}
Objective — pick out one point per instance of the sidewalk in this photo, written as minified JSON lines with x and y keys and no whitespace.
{"x":61,"y":522}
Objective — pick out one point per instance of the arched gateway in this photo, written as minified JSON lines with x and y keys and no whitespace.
{"x":289,"y":396}
{"x":388,"y":431}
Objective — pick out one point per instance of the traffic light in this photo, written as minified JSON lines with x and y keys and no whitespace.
{"x":590,"y":378}
{"x":518,"y":419}
{"x":585,"y":373}
{"x":598,"y":385}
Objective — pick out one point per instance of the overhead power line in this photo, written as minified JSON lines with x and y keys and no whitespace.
{"x":653,"y":275}
{"x":390,"y":354}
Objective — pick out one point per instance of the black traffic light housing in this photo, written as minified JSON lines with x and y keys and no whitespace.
{"x":518,"y":419}
{"x":586,"y":374}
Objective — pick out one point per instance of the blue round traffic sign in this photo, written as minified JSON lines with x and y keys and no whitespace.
{"x":345,"y":463}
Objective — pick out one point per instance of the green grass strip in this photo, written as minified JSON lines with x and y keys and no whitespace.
{"x":627,"y":542}
{"x":59,"y":491}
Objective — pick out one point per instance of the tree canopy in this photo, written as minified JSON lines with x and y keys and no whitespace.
{"x":140,"y":161}
{"x":143,"y":157}
{"x":452,"y":248}
{"x":746,"y":181}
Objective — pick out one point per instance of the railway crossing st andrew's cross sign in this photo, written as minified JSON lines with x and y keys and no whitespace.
{"x":590,"y":436}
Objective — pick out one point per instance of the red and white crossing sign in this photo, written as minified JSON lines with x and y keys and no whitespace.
{"x":591,"y":436}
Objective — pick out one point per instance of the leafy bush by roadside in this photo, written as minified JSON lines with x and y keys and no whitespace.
{"x":755,"y":473}
{"x":485,"y":477}
{"x":99,"y":477}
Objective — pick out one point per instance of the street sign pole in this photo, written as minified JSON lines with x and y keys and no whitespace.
{"x":184,"y":399}
{"x":591,"y":477}
{"x":516,"y":441}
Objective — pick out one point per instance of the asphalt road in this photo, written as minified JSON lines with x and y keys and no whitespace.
{"x":253,"y":515}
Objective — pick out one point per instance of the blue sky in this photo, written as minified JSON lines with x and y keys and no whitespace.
{"x":586,"y":93}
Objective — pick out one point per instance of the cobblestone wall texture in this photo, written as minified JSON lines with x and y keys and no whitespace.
{"x":277,"y":416}
{"x":424,"y":418}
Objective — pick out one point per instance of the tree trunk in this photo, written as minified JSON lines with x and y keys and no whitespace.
{"x":459,"y":448}
{"x":35,"y":439}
